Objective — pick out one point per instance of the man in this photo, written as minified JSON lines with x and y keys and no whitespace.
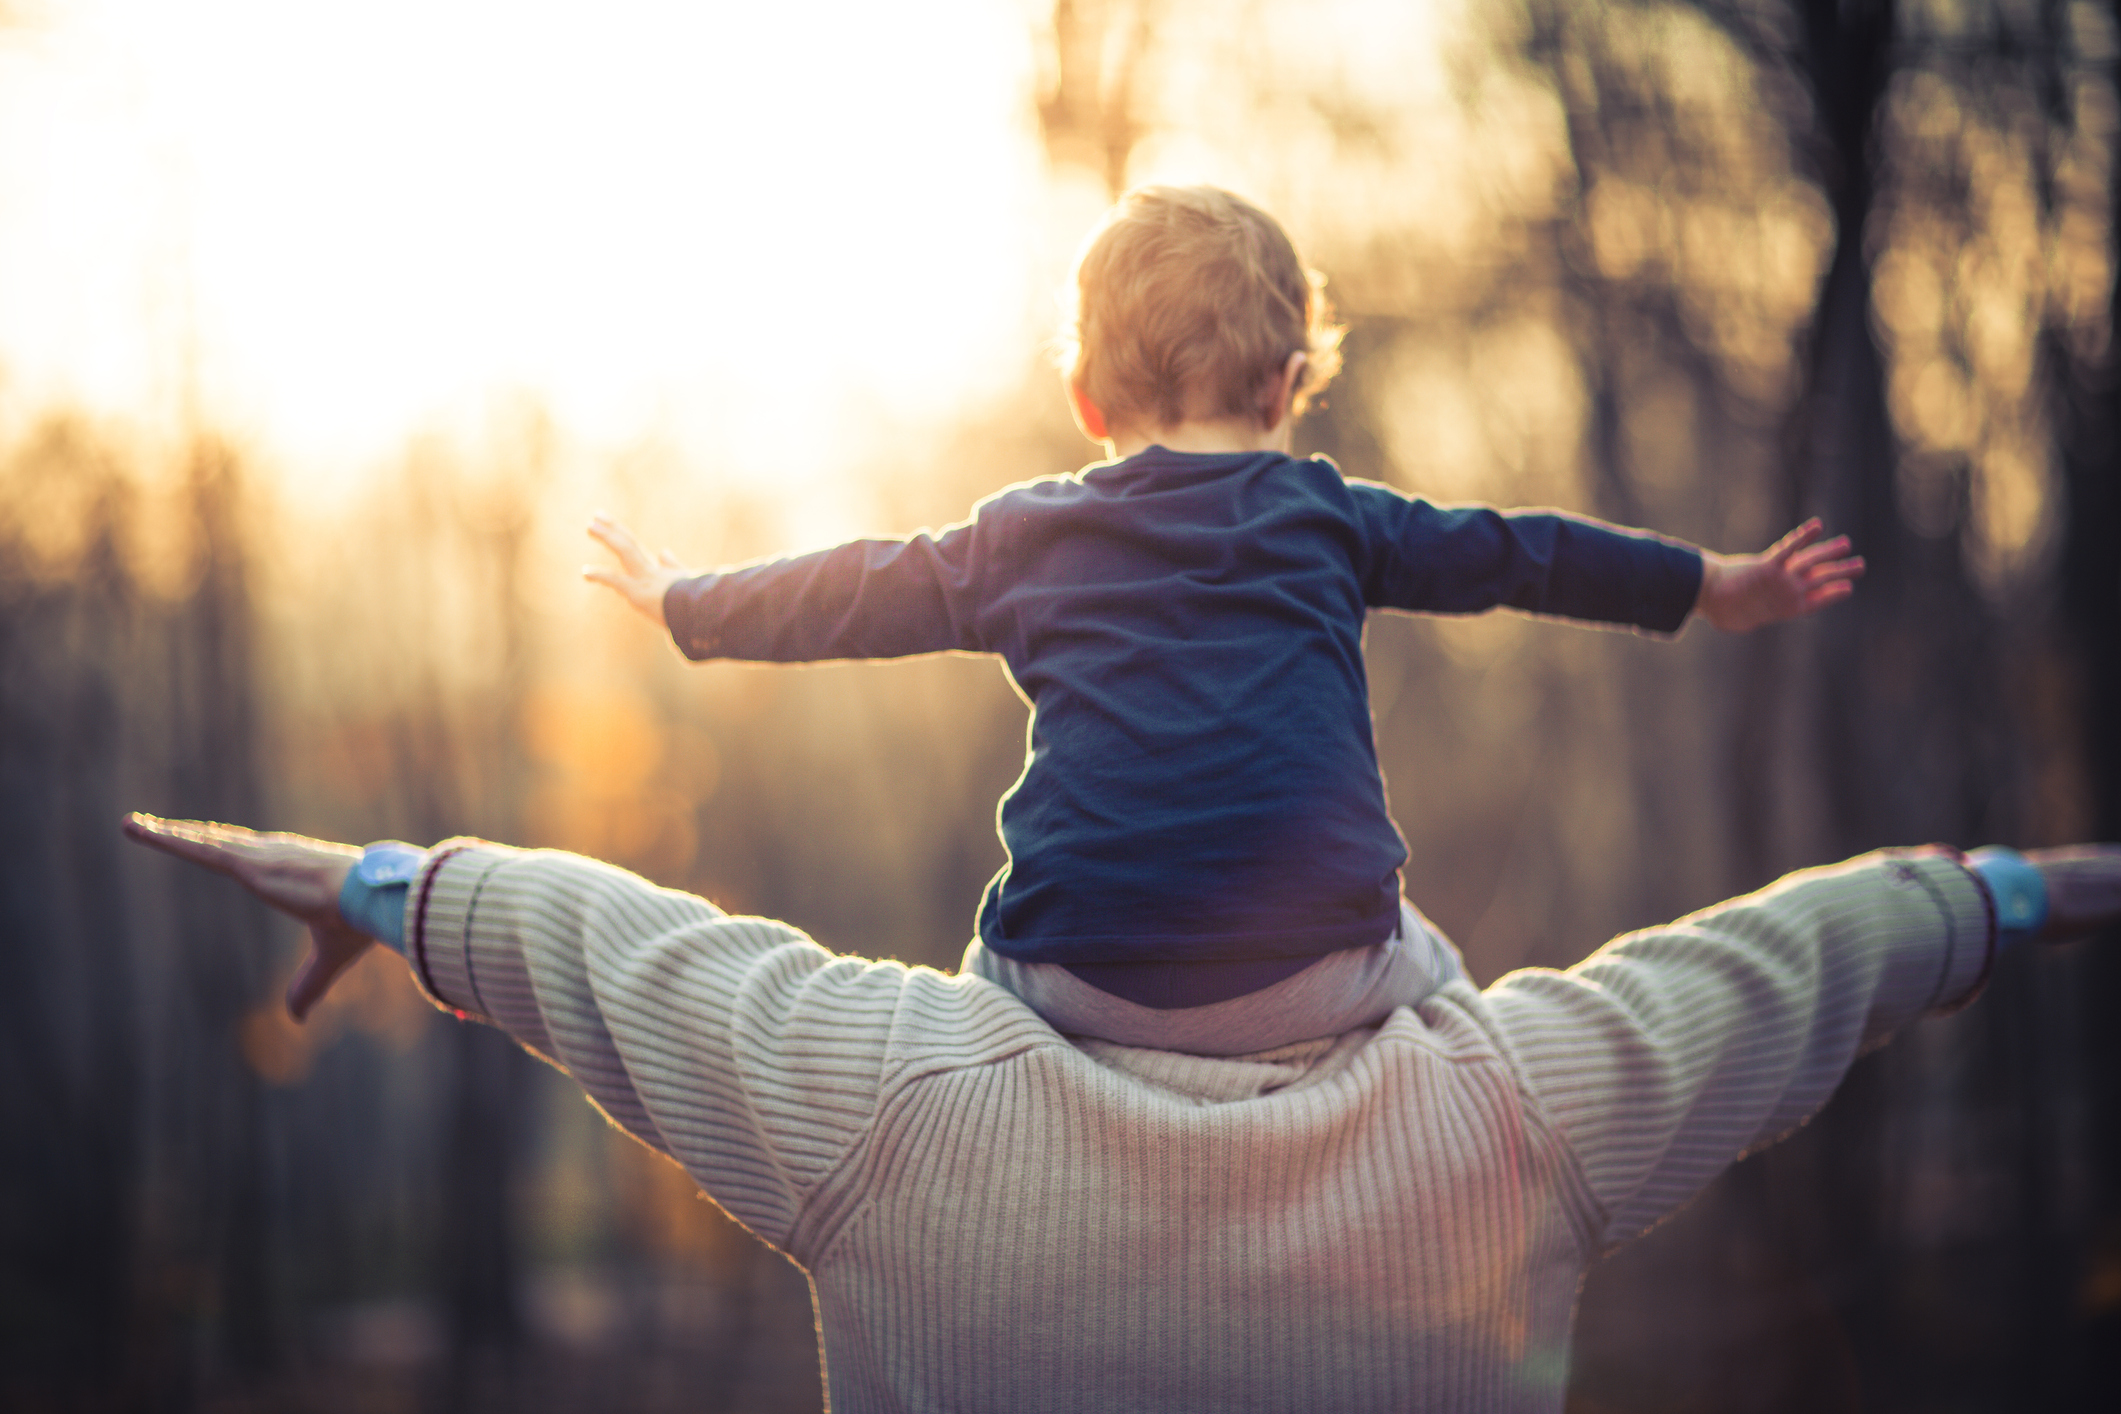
{"x":994,"y":1216}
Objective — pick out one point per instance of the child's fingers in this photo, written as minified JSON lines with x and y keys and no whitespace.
{"x":640,"y":591}
{"x":632,"y":588}
{"x":669,"y":560}
{"x":1813,"y":554}
{"x":627,"y":587}
{"x":614,"y":538}
{"x":619,"y":540}
{"x":1796,"y":540}
{"x":1850,"y":568}
{"x":1821,"y":595}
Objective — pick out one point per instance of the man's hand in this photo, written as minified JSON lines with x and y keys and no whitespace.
{"x":1792,"y":578}
{"x":2083,"y":889}
{"x":295,"y":874}
{"x":640,"y":581}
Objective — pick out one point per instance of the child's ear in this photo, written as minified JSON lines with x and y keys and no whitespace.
{"x":1280,"y":393}
{"x":1088,"y":415}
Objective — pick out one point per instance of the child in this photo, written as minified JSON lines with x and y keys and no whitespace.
{"x":1199,"y":853}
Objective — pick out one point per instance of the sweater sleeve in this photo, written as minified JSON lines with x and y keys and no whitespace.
{"x":1670,"y":1053}
{"x":863,"y":599}
{"x":736,"y":1045}
{"x":1467,"y":559}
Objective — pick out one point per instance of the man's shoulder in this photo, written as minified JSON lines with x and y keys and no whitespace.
{"x":950,"y":1021}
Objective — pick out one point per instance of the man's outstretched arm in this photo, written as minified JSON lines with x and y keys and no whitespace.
{"x":1670,"y":1053}
{"x":735,"y":1045}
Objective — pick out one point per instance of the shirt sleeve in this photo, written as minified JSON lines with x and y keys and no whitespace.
{"x":863,"y":599}
{"x":1467,"y":559}
{"x":1670,"y":1053}
{"x":736,"y":1045}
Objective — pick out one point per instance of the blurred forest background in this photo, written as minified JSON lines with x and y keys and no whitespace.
{"x":1706,"y":267}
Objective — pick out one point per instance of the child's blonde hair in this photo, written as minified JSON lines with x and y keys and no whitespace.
{"x":1187,"y":301}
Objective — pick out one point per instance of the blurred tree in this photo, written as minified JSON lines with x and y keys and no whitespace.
{"x":69,"y":1111}
{"x":2088,"y":372}
{"x":1088,"y":105}
{"x":222,"y":947}
{"x":1938,"y":137}
{"x":140,"y":1217}
{"x":453,"y":565}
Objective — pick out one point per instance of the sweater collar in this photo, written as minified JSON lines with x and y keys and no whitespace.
{"x":1219,"y":1080}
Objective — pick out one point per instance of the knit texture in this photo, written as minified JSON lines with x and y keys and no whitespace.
{"x":994,"y":1218}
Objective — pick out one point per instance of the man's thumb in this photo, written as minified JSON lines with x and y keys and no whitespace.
{"x":330,"y":953}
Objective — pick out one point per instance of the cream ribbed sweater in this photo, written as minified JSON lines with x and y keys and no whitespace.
{"x":995,"y":1218}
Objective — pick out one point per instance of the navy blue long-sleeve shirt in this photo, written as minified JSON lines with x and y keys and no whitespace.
{"x":1201,"y":783}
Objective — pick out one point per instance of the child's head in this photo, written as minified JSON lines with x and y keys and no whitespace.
{"x":1188,"y":303}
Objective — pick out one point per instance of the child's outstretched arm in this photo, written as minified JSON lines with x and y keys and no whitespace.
{"x":639,"y":580}
{"x":1798,"y":575}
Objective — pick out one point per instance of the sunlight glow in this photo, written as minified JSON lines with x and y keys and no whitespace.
{"x":330,"y":226}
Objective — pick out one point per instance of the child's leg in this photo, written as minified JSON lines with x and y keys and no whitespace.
{"x":1339,"y":992}
{"x":1432,"y":953}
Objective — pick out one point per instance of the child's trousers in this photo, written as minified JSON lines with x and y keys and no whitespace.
{"x":1339,"y":992}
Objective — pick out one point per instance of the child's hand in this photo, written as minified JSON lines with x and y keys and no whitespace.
{"x":1792,"y":578}
{"x":640,"y":581}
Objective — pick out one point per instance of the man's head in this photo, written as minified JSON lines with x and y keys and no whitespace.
{"x":1189,"y":303}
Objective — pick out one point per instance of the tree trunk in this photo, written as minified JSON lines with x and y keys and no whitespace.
{"x":2090,"y":446}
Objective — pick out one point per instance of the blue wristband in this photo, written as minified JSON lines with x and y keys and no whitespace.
{"x":2019,"y":890}
{"x":372,"y":900}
